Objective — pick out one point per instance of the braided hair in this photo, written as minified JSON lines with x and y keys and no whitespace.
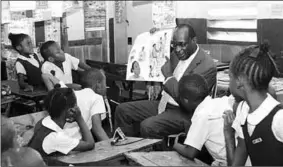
{"x":255,"y":63}
{"x":58,"y":100}
{"x":16,"y":39}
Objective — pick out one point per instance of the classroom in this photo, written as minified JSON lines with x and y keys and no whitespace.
{"x":141,"y":83}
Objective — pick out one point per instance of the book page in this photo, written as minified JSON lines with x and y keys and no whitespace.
{"x":147,"y":56}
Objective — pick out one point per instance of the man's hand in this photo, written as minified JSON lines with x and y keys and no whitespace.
{"x":153,"y":30}
{"x":166,"y":69}
{"x":29,"y":88}
{"x":228,"y":117}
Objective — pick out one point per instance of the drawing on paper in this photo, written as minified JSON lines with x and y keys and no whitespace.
{"x":163,"y":14}
{"x":147,"y":56}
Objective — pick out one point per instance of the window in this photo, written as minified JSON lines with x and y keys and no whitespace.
{"x":234,"y":23}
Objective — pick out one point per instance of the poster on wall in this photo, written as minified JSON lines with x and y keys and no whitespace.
{"x":119,"y":8}
{"x":52,"y":30}
{"x":148,"y":55}
{"x":6,"y":17}
{"x":163,"y":14}
{"x":95,"y":15}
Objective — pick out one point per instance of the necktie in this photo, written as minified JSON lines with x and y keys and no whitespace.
{"x":166,"y":97}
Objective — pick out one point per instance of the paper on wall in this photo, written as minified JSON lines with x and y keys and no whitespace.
{"x":163,"y":14}
{"x":147,"y":56}
{"x":6,"y":17}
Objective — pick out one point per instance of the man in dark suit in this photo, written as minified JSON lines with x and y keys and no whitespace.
{"x":158,"y":119}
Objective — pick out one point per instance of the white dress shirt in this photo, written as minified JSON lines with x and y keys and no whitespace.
{"x":178,"y":73}
{"x":207,"y":128}
{"x":90,"y":104}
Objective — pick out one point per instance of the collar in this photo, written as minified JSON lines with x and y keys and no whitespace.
{"x":202,"y":107}
{"x":49,"y":123}
{"x":262,"y":111}
{"x":25,"y":58}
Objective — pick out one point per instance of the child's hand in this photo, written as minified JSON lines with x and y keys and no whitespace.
{"x":29,"y":88}
{"x":228,"y":117}
{"x":74,"y":114}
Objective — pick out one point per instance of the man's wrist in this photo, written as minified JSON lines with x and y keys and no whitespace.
{"x":166,"y":79}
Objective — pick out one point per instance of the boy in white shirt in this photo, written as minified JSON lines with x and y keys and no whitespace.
{"x":90,"y":100}
{"x":59,"y":64}
{"x":207,"y":122}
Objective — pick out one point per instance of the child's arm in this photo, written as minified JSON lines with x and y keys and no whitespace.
{"x":21,"y":73}
{"x":229,"y":135}
{"x":24,"y":85}
{"x":186,"y":151}
{"x":97,"y":128}
{"x":241,"y":154}
{"x":87,"y":142}
{"x":84,"y":66}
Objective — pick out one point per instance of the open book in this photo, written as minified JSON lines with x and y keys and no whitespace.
{"x":147,"y":56}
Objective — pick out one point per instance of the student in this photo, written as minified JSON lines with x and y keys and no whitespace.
{"x":28,"y":64}
{"x":231,"y":136}
{"x":90,"y":100}
{"x":207,"y":123}
{"x":11,"y":153}
{"x":58,"y":63}
{"x":49,"y":137}
{"x":259,"y":122}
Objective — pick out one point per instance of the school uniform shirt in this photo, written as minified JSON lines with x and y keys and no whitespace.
{"x":207,"y":128}
{"x":57,"y":141}
{"x":20,"y":68}
{"x":254,"y":118}
{"x":30,"y":67}
{"x":70,"y":63}
{"x":90,"y":104}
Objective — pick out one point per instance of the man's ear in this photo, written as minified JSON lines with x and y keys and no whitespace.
{"x":18,"y":47}
{"x":195,"y":40}
{"x":51,"y":59}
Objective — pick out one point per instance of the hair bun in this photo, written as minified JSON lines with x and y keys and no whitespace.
{"x":56,"y":86}
{"x":264,"y":47}
{"x":11,"y":36}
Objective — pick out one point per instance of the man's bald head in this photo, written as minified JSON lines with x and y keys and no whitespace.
{"x":187,"y":30}
{"x":184,"y":41}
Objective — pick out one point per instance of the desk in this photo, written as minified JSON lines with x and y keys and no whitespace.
{"x":36,"y":95}
{"x":105,"y":151}
{"x":161,"y":158}
{"x":17,"y":91}
{"x":8,"y":100}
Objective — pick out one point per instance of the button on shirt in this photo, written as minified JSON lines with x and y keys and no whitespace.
{"x":207,"y":128}
{"x":70,"y":63}
{"x":178,"y":73}
{"x":90,"y":104}
{"x":257,"y":116}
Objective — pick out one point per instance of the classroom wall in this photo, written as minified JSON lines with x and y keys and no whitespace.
{"x":76,"y":28}
{"x":139,"y":17}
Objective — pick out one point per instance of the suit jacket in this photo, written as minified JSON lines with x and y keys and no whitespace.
{"x":202,"y":64}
